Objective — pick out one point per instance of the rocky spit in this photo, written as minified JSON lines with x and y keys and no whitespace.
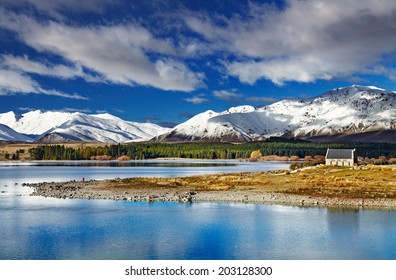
{"x":94,"y":190}
{"x":97,"y":190}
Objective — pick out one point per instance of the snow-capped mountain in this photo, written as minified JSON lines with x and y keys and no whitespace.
{"x":63,"y":126}
{"x":205,"y":127}
{"x":342,"y":111}
{"x":8,"y":134}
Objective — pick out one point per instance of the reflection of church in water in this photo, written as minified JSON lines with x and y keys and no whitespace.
{"x":343,"y":220}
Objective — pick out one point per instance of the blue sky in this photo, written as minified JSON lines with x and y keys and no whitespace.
{"x":164,"y":61}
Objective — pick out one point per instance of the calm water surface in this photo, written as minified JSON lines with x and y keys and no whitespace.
{"x":48,"y":228}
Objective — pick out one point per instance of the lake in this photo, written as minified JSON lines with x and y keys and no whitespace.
{"x":49,"y":228}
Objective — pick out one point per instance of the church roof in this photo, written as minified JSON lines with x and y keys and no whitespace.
{"x":340,"y":153}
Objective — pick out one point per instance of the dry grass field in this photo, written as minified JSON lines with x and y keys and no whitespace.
{"x":365,"y":182}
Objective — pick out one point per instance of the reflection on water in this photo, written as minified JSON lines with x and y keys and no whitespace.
{"x":48,"y":228}
{"x":78,"y":229}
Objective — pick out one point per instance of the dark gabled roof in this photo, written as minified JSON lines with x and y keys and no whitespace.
{"x":340,"y":153}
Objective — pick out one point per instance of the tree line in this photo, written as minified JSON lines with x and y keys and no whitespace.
{"x":14,"y":156}
{"x":279,"y":147}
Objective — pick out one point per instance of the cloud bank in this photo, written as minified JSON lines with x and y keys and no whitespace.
{"x":13,"y":82}
{"x":303,"y":41}
{"x":126,"y":54}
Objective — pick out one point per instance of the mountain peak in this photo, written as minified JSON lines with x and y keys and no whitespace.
{"x":368,"y":88}
{"x":240,"y":109}
{"x":358,"y":88}
{"x":9,"y":116}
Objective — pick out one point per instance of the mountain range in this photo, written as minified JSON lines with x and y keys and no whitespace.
{"x":55,"y":127}
{"x":354,"y":113}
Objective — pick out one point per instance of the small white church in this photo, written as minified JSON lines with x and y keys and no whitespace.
{"x":340,"y":157}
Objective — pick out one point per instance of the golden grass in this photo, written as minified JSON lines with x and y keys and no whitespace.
{"x":364,"y":182}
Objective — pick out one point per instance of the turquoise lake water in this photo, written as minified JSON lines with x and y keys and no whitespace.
{"x":48,"y":228}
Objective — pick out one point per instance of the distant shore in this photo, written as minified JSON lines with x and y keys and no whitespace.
{"x":364,"y":186}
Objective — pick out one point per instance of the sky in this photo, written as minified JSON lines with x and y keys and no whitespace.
{"x":164,"y":61}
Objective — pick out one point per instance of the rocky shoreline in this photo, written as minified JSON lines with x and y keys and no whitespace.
{"x":97,"y":190}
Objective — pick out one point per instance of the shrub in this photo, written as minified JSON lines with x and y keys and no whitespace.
{"x":294,"y":158}
{"x":392,"y":161}
{"x":101,"y":157}
{"x":307,"y":158}
{"x":379,"y":161}
{"x":255,"y":155}
{"x":124,"y":158}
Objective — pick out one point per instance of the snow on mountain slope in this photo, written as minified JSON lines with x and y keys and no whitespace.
{"x":202,"y":128}
{"x":35,"y":122}
{"x":63,"y":126}
{"x":354,"y":109}
{"x":8,"y":134}
{"x":94,"y":128}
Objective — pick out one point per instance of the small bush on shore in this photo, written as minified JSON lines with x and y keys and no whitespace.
{"x":382,"y":160}
{"x":392,"y":161}
{"x":294,"y":158}
{"x":255,"y":156}
{"x":122,"y":158}
{"x":101,"y":157}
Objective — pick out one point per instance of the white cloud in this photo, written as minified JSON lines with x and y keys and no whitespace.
{"x":233,"y":96}
{"x":56,"y":8}
{"x":46,"y":69}
{"x":67,"y":109}
{"x":61,"y":94}
{"x":265,"y":99}
{"x":27,"y":109}
{"x":175,"y":75}
{"x":301,"y":69}
{"x":227,"y":95}
{"x":101,"y":111}
{"x":73,"y":110}
{"x":383,"y":70}
{"x":304,"y":41}
{"x":13,"y":82}
{"x":121,"y":54}
{"x":196,"y":100}
{"x":119,"y":110}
